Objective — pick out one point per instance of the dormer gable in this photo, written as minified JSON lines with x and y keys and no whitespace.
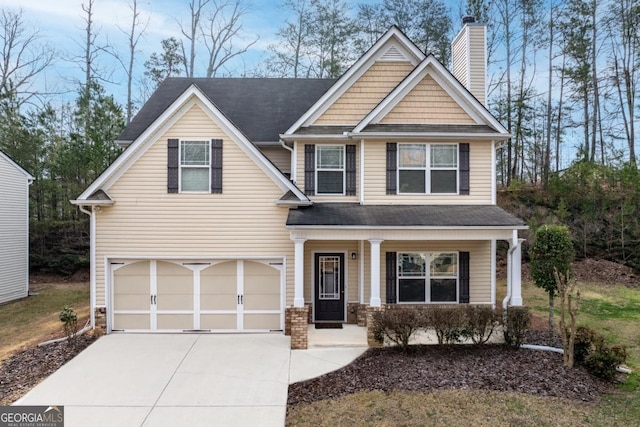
{"x":430,"y":95}
{"x":379,"y":70}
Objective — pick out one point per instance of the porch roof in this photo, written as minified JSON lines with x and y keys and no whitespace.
{"x":350,"y":215}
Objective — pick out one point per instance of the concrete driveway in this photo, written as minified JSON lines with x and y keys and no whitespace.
{"x":172,"y":380}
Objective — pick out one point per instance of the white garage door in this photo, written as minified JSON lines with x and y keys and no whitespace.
{"x":217,"y":295}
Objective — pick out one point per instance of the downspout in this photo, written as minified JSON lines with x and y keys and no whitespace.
{"x":92,"y":261}
{"x":293,"y":160}
{"x":515,"y":242}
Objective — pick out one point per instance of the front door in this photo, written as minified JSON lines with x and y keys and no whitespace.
{"x":329,"y":287}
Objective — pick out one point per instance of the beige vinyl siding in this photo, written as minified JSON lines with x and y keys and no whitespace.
{"x":365,"y":93}
{"x":478,"y":67}
{"x":346,"y":247}
{"x":427,"y":102}
{"x":376,"y":178}
{"x":279,"y":156}
{"x":148,"y":222}
{"x":479,"y":265}
{"x":299,"y":179}
{"x":469,"y":60}
{"x":14,"y":232}
{"x":460,"y":60}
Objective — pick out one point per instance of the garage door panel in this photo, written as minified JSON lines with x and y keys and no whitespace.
{"x":131,"y":302}
{"x":132,"y":284}
{"x":219,"y":321}
{"x":218,"y":302}
{"x":175,"y":321}
{"x":137,"y":268}
{"x":222,"y":269}
{"x":218,"y":286}
{"x":262,"y":321}
{"x":131,"y":321}
{"x":261,"y":302}
{"x":174,"y":302}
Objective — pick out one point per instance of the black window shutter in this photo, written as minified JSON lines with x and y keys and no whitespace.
{"x":464,"y":168}
{"x":392,"y":166}
{"x":350,"y":160}
{"x":391,"y":277}
{"x":216,"y":166}
{"x":310,"y":169}
{"x":172,"y":165}
{"x":464,"y":277}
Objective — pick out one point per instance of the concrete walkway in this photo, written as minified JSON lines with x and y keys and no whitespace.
{"x":184,"y":379}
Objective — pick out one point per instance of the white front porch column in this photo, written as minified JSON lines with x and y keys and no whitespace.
{"x":298,"y":290}
{"x":516,"y":274}
{"x":375,"y":272}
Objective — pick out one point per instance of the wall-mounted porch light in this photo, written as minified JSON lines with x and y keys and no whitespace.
{"x":354,"y":255}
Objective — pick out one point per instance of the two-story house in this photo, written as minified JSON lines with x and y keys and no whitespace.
{"x":263,"y":204}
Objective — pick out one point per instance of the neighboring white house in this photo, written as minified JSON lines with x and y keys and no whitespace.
{"x":14,"y":230}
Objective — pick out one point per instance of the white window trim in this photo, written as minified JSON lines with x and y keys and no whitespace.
{"x":344,"y":169}
{"x":181,"y":166}
{"x":427,"y":278}
{"x":427,"y":168}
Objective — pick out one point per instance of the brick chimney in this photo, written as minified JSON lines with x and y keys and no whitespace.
{"x":469,"y":49}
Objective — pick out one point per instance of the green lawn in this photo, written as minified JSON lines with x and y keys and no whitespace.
{"x":34,"y":319}
{"x":614,"y":311}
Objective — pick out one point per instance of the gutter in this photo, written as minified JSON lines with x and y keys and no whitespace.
{"x":292,"y":162}
{"x":92,"y":261}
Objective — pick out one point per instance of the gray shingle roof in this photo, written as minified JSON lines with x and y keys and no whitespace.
{"x":346,"y":214}
{"x":429,"y":128}
{"x":261,"y":108}
{"x":323,"y":130}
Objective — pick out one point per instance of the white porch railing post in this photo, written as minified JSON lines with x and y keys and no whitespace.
{"x":516,"y":275}
{"x":298,"y":294}
{"x":375,"y":272}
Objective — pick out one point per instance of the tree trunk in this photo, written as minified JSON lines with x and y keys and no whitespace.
{"x":552,"y":332}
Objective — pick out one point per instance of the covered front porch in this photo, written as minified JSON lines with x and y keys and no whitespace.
{"x":350,"y":260}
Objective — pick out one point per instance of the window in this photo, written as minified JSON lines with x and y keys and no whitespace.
{"x":428,"y":168}
{"x":330,"y":169}
{"x":428,"y":277}
{"x":195,"y":166}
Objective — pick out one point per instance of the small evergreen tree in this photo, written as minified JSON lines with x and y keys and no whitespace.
{"x":551,"y":254}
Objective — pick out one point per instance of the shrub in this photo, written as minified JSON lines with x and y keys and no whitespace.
{"x":516,"y":324}
{"x":592,"y":351}
{"x":69,"y":318}
{"x":397,"y":324}
{"x":585,"y":343}
{"x":448,"y":322}
{"x":480,"y":322}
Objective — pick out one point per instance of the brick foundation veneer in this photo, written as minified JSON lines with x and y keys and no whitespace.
{"x":298,"y":327}
{"x":101,"y":318}
{"x":370,"y":339}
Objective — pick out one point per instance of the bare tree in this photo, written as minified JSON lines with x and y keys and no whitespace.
{"x":289,"y":55}
{"x":192,"y":32}
{"x":23,"y":55}
{"x":223,"y":31}
{"x":135,"y":32}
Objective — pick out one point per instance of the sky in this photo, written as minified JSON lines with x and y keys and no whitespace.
{"x":61,"y":24}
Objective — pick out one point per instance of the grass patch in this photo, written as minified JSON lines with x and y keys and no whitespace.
{"x":35,"y":319}
{"x":448,"y":408}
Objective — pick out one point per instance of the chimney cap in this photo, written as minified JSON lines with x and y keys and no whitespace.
{"x":468,"y":19}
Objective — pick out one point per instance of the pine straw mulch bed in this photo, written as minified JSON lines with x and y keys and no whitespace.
{"x":430,"y":368}
{"x":24,"y":370}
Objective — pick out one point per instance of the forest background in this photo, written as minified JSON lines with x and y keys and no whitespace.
{"x":563,"y":78}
